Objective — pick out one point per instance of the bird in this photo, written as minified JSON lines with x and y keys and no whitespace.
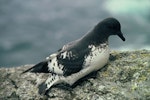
{"x":79,"y":58}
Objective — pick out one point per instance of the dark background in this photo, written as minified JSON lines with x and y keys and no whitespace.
{"x":30,"y":30}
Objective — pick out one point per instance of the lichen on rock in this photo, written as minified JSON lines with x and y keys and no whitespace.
{"x":126,"y":76}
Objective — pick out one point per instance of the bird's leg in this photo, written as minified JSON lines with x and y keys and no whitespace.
{"x":52,"y":80}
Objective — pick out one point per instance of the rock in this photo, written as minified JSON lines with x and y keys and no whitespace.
{"x":125,"y":77}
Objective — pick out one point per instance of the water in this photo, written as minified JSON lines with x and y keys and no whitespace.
{"x":30,"y":30}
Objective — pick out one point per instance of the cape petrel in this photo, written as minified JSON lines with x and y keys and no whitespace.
{"x":80,"y":57}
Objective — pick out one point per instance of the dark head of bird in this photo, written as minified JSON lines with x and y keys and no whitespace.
{"x":107,"y":27}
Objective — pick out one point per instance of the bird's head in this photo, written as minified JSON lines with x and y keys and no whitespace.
{"x":109,"y":26}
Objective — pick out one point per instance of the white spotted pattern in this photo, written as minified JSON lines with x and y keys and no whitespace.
{"x":97,"y":58}
{"x":54,"y":67}
{"x":67,"y":54}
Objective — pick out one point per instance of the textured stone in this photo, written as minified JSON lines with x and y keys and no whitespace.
{"x":125,"y":77}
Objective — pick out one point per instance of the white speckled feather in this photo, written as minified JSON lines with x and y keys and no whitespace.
{"x":97,"y":58}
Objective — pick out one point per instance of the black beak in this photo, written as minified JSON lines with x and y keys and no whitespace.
{"x":121,"y":36}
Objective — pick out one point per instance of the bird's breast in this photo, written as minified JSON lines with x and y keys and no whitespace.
{"x":97,"y":58}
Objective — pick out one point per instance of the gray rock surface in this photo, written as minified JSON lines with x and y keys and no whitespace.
{"x":126,"y":77}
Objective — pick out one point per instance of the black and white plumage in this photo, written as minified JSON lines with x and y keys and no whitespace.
{"x":81,"y":57}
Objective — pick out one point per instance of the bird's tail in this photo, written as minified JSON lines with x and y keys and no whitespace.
{"x":41,"y":67}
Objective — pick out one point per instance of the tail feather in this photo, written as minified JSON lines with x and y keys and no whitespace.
{"x":41,"y":67}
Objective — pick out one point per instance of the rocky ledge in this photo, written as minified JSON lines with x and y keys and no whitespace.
{"x":125,"y":77}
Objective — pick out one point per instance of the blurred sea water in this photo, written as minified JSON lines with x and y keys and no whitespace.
{"x":30,"y":30}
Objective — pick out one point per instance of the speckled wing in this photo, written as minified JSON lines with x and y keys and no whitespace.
{"x":72,"y":57}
